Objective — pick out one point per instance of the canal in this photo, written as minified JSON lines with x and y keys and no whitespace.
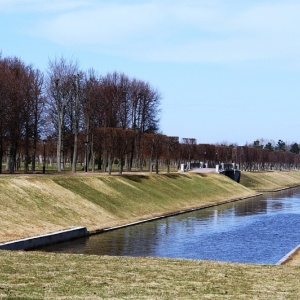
{"x":259,"y":230}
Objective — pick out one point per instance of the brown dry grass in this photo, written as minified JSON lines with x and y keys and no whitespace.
{"x":27,"y":275}
{"x":272,"y":180}
{"x":32,"y":205}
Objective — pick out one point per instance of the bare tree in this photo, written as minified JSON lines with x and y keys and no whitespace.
{"x":190,"y":148}
{"x":122,"y":145}
{"x":4,"y":94}
{"x":59,"y":87}
{"x":171,"y":150}
{"x":15,"y":74}
{"x":76,"y":113}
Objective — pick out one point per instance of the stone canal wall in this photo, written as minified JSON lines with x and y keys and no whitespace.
{"x":44,"y":240}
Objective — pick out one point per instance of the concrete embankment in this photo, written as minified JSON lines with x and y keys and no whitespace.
{"x":46,"y":239}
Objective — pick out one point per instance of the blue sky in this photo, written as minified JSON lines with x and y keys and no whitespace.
{"x":228,"y":70}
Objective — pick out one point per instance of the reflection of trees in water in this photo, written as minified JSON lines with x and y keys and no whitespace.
{"x":128,"y":241}
{"x":279,"y":201}
{"x":250,"y":207}
{"x":269,"y":201}
{"x":76,"y":246}
{"x":147,"y":237}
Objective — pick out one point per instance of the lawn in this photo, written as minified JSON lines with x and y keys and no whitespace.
{"x":26,"y":275}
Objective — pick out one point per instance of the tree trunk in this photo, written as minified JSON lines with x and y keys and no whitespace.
{"x":58,"y":155}
{"x":74,"y":160}
{"x":109,"y":164}
{"x":156,"y":166}
{"x":168,"y":166}
{"x":7,"y":160}
{"x":121,"y":165}
{"x":1,"y":154}
{"x":33,"y":157}
{"x":26,"y":149}
{"x":150,"y":165}
{"x":93,"y":153}
{"x":12,"y":159}
{"x":59,"y":146}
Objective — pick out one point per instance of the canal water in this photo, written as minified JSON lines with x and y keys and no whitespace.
{"x":259,"y":230}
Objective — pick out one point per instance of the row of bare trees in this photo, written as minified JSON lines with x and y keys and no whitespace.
{"x":80,"y":103}
{"x":249,"y":158}
{"x":67,"y":103}
{"x":98,"y":121}
{"x":117,"y":147}
{"x":21,"y":107}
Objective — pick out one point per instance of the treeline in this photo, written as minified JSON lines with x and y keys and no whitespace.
{"x":63,"y":105}
{"x":67,"y":118}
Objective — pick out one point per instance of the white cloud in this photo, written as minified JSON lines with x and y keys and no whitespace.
{"x":110,"y":24}
{"x":190,"y":30}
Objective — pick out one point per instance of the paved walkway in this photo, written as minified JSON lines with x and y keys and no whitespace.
{"x":203,"y":170}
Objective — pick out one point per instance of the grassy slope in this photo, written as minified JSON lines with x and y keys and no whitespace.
{"x":56,"y":276}
{"x":32,"y":205}
{"x":270,"y":180}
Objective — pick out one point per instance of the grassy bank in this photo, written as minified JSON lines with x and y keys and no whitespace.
{"x":39,"y":204}
{"x":32,"y":205}
{"x":264,"y":181}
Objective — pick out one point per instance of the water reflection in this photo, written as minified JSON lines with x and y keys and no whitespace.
{"x":257,"y":230}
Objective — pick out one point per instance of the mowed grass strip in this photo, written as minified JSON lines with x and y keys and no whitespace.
{"x":26,"y":275}
{"x":33,"y":205}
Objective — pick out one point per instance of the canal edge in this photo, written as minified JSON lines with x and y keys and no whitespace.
{"x":87,"y":233}
{"x":278,"y":190}
{"x":75,"y":232}
{"x":288,"y":256}
{"x":45,"y":239}
{"x":176,"y":213}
